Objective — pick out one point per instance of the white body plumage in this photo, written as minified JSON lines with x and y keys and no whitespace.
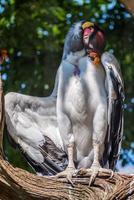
{"x":82,"y":108}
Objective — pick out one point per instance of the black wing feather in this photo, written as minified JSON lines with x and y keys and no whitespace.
{"x":55,"y":159}
{"x":116,"y":122}
{"x":115,"y":92}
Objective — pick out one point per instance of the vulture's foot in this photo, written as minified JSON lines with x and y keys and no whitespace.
{"x":94,"y":171}
{"x":68,"y":173}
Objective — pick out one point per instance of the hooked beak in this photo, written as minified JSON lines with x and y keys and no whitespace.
{"x":86,"y":34}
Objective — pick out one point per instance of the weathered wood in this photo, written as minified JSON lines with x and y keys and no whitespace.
{"x":18,"y":184}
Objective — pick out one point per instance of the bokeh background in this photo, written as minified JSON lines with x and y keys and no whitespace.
{"x":33,"y":33}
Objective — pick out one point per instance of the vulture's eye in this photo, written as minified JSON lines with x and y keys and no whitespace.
{"x":91,"y":28}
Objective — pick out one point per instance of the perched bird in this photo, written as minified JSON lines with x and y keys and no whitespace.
{"x":80,"y":125}
{"x":90,"y":106}
{"x":32,"y":121}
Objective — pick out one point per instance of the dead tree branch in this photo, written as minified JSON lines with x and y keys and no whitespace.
{"x":18,"y":184}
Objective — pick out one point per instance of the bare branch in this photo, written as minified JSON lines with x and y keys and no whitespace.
{"x":18,"y":184}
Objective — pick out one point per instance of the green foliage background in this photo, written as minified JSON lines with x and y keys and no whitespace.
{"x":33,"y":32}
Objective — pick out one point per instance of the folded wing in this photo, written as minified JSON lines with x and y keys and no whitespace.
{"x":115,"y":95}
{"x":32,"y":125}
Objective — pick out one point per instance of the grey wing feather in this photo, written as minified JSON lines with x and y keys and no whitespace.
{"x":54,"y":92}
{"x":31,"y":119}
{"x":32,"y":125}
{"x":115,"y":94}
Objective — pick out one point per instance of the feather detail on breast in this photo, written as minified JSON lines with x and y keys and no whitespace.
{"x":75,"y":98}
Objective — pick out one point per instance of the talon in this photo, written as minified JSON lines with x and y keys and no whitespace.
{"x":70,"y":180}
{"x":95,"y":171}
{"x":68,"y":173}
{"x":111,"y":174}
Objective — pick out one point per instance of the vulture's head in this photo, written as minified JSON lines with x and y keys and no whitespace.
{"x":93,"y":39}
{"x":74,"y":41}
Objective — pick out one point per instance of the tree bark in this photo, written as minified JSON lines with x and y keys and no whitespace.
{"x":18,"y":184}
{"x":129,"y":4}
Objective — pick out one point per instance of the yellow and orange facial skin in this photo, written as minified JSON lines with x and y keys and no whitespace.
{"x":87,"y":25}
{"x":95,"y":56}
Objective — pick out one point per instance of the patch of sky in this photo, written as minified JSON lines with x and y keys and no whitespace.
{"x":92,"y":19}
{"x":132,"y":145}
{"x":129,"y":154}
{"x":103,"y":8}
{"x":111,"y":5}
{"x":1,"y":9}
{"x":45,"y":33}
{"x":42,"y":32}
{"x":7,"y":60}
{"x":102,"y":21}
{"x":132,"y":100}
{"x":87,"y":1}
{"x":4,"y":77}
{"x":19,"y":53}
{"x":129,"y":168}
{"x":105,"y":16}
{"x":23,"y":85}
{"x":111,"y":25}
{"x":68,"y":15}
{"x":125,"y":106}
{"x":3,"y":2}
{"x":96,"y":15}
{"x":111,"y":51}
{"x":68,"y":22}
{"x":46,"y":86}
{"x":127,"y":15}
{"x":39,"y":31}
{"x":80,"y":13}
{"x":79,"y":2}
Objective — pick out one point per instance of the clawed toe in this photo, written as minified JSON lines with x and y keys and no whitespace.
{"x":93,"y":172}
{"x":68,"y":173}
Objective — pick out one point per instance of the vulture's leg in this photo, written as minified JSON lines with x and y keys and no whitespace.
{"x":96,"y":167}
{"x":70,"y":170}
{"x":99,"y":133}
